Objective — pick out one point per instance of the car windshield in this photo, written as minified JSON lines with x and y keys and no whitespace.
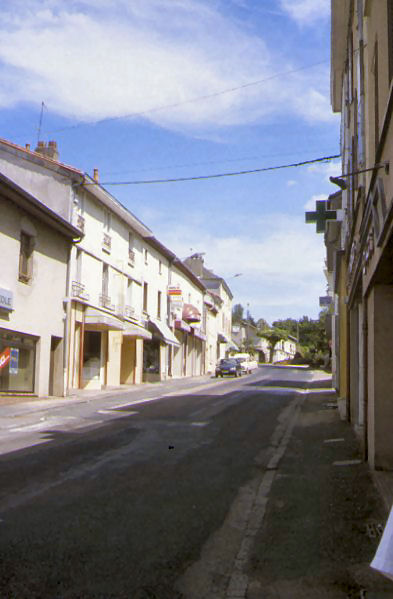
{"x":227,"y":362}
{"x":240,"y":360}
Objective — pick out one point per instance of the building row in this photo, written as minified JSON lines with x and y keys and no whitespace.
{"x":89,"y":297}
{"x":359,"y":229}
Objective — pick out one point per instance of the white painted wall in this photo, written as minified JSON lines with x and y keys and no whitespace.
{"x":38,"y":305}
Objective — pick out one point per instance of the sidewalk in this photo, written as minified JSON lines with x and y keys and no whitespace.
{"x":28,"y":404}
{"x":324,"y":516}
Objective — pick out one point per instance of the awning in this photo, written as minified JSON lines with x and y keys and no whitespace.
{"x":222,"y":338}
{"x":182,"y":326}
{"x":232,"y":345}
{"x":191,"y":313}
{"x":163,"y":331}
{"x":199,"y":334}
{"x":102,"y":321}
{"x":132,"y":330}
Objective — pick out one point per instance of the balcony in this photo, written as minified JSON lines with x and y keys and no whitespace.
{"x":131,"y":257}
{"x":106,"y":243}
{"x":80,"y":222}
{"x":129,"y":312}
{"x":106,"y":303}
{"x":79,"y":290}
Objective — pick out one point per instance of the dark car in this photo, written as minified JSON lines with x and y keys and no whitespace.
{"x":228,"y":366}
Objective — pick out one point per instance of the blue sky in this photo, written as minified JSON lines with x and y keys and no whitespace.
{"x":140,"y":90}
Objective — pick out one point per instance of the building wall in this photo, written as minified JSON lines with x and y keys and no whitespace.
{"x":38,"y":305}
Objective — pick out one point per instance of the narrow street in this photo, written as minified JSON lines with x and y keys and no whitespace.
{"x":176,"y":497}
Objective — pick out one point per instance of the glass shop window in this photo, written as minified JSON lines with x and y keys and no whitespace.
{"x":17,"y":362}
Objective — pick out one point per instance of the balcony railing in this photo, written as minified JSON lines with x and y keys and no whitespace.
{"x":80,"y":223}
{"x":131,"y":257}
{"x":78,"y":290}
{"x":106,"y":303}
{"x":106,"y":242}
{"x":129,"y":312}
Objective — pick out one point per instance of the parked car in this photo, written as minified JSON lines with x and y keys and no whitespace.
{"x":228,"y":366}
{"x":246,"y":362}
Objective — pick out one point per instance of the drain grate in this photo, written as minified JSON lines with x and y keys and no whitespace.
{"x":374,"y":530}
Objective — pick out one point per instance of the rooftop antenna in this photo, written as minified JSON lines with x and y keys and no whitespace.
{"x":40,"y":122}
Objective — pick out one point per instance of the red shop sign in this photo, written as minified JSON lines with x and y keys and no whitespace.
{"x":5,"y":357}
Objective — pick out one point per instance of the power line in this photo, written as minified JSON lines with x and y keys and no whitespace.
{"x":190,"y":101}
{"x":219,"y":175}
{"x":204,"y":163}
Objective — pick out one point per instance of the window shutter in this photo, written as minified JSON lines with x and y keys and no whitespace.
{"x":390,"y":37}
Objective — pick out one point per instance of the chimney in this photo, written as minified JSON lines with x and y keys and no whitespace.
{"x":52,"y":151}
{"x":96,"y":175}
{"x":49,"y":151}
{"x":28,"y":147}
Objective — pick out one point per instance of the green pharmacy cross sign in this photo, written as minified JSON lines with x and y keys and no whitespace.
{"x":321,"y":215}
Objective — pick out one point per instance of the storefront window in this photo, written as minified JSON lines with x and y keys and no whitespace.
{"x":17,"y":362}
{"x":91,"y":356}
{"x":151,"y":356}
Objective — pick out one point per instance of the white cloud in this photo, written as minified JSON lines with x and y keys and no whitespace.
{"x":326,"y":169}
{"x":310,"y":205}
{"x":96,"y":59}
{"x":291,"y":183}
{"x":282,"y":268}
{"x":306,"y":12}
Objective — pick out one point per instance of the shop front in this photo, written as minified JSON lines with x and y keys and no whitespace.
{"x":17,"y":362}
{"x":157,"y":352}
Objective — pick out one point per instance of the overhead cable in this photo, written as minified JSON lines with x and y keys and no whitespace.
{"x":189,"y":101}
{"x":219,"y":175}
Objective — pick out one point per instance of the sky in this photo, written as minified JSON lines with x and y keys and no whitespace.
{"x":168,"y":89}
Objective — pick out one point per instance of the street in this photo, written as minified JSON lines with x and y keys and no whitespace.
{"x":174,"y":497}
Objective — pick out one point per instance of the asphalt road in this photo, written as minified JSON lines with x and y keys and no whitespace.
{"x":143,"y":497}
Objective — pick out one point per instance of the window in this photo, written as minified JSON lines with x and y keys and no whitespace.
{"x":145,"y":255}
{"x":129,"y":292}
{"x":105,"y":280}
{"x":159,"y":304}
{"x":145,"y":292}
{"x":18,"y":364}
{"x":107,"y":221}
{"x":159,"y":267}
{"x":79,"y":266}
{"x":26,"y":257}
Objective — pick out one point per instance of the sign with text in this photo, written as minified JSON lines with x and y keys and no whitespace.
{"x":6,"y":299}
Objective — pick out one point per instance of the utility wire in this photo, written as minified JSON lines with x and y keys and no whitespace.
{"x":190,"y":101}
{"x":219,"y":175}
{"x":204,"y":163}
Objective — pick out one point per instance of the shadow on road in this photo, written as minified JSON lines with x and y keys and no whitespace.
{"x":294,"y":384}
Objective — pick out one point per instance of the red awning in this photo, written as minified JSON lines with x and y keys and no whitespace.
{"x":191,"y":313}
{"x":182,"y":326}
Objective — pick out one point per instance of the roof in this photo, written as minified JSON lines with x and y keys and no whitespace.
{"x":113,"y":204}
{"x":38,"y":158}
{"x":30,"y":204}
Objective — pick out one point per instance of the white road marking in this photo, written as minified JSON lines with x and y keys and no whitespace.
{"x":339,"y":440}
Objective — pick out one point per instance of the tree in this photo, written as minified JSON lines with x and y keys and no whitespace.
{"x":237,"y":314}
{"x":262,"y":324}
{"x":289,"y":324}
{"x":273,"y":336}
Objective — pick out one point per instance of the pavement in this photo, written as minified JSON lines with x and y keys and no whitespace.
{"x":325,"y":511}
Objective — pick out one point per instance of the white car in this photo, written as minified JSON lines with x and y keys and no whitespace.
{"x":246,"y":362}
